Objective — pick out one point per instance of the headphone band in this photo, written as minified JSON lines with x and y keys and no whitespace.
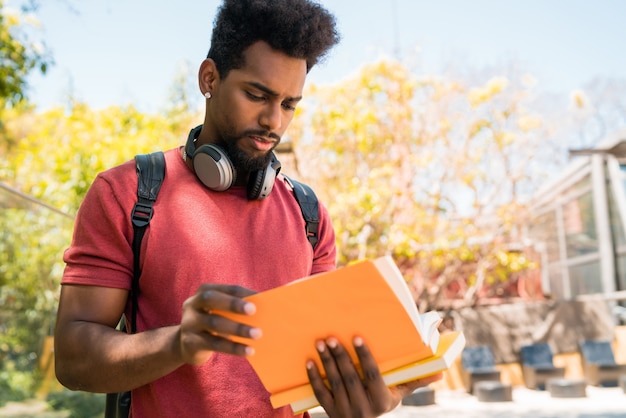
{"x":190,"y":147}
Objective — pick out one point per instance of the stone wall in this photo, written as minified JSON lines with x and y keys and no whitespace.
{"x":563,"y":325}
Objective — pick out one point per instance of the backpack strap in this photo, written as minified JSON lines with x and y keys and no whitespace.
{"x":150,"y":173}
{"x":307,"y":200}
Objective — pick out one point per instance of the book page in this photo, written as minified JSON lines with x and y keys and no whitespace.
{"x":430,"y":323}
{"x":426,"y":323}
{"x":396,"y":281}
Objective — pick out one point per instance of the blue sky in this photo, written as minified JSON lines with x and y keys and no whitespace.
{"x":116,"y":52}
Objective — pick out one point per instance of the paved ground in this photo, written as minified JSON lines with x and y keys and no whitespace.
{"x":599,"y":403}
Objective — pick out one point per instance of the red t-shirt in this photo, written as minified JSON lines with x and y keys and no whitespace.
{"x":196,"y":236}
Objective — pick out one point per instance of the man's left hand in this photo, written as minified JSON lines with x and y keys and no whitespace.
{"x":349,"y":395}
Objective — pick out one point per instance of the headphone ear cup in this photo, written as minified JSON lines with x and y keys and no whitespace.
{"x":214,"y":168}
{"x":261,"y":182}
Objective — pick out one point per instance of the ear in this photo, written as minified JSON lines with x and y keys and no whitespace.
{"x":207,"y":75}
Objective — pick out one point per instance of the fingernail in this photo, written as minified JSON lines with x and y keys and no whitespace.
{"x":320,"y":346}
{"x":358,"y":341}
{"x":249,"y":308}
{"x":256,"y":333}
{"x":249,"y":351}
{"x":332,"y":342}
{"x":309,"y":365}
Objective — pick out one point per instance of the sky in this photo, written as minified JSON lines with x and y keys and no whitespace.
{"x":119,"y":52}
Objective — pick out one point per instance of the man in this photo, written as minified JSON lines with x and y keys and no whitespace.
{"x":214,"y":239}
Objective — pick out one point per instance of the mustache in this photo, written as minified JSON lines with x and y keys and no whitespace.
{"x":268,"y":134}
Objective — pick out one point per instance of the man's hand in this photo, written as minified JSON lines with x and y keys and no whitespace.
{"x":203,"y":331}
{"x":347,"y":395}
{"x":86,"y":338}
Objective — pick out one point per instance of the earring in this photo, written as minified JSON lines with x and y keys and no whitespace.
{"x":207,"y":94}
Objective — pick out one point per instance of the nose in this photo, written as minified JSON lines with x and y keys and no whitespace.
{"x":271,"y":117}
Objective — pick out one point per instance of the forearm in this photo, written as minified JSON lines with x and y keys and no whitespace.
{"x":96,"y":358}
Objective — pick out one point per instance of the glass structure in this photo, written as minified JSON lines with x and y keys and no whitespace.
{"x":578,"y":224}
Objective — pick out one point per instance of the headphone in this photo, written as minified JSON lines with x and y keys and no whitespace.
{"x":215,"y":170}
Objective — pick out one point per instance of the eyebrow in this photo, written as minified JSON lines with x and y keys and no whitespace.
{"x":271,"y":92}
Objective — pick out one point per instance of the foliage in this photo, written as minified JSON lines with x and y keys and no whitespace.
{"x":597,"y":111}
{"x":57,"y":158}
{"x":15,"y":385}
{"x":79,"y":404}
{"x":415,"y":168}
{"x":20,"y":55}
{"x":30,"y":267}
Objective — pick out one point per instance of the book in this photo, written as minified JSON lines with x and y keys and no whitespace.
{"x":370,"y":299}
{"x":450,"y":346}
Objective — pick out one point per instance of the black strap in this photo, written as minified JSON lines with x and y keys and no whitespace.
{"x":309,"y":206}
{"x":150,"y":174}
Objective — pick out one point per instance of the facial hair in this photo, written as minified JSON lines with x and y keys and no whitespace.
{"x":242,"y":160}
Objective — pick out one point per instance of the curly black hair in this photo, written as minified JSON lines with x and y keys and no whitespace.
{"x":299,"y":28}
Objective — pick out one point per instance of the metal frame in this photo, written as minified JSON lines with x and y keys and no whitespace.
{"x":602,"y":166}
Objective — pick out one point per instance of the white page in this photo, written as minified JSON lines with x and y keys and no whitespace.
{"x":396,"y":281}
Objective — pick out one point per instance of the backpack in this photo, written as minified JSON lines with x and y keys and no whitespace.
{"x":150,"y":170}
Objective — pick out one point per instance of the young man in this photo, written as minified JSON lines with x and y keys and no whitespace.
{"x":210,"y":243}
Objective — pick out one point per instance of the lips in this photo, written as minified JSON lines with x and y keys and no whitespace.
{"x":261,"y":143}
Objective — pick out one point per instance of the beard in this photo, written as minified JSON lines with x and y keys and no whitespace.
{"x":240,"y":158}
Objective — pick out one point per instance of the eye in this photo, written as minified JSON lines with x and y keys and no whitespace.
{"x":254,"y":97}
{"x":288,"y":106}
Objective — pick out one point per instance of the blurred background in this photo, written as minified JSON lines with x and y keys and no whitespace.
{"x":481,"y":144}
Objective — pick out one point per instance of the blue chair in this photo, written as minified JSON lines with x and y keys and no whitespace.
{"x":478,"y":365}
{"x":599,"y":365}
{"x":537,"y":365}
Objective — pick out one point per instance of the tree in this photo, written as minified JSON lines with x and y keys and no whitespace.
{"x":597,"y":111}
{"x":431,"y":170}
{"x":60,"y":152}
{"x":20,"y":56}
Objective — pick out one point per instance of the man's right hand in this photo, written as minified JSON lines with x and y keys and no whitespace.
{"x":86,"y":338}
{"x":202,"y":331}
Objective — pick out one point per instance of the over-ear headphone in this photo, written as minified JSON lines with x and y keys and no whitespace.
{"x":215,"y":170}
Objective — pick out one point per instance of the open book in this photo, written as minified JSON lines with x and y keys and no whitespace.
{"x":369,"y":299}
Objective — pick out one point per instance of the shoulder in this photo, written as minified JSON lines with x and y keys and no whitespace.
{"x":119,"y":183}
{"x":127,"y":171}
{"x":294,"y":186}
{"x":303,"y":194}
{"x":299,"y":192}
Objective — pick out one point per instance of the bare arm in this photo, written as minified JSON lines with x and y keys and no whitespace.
{"x":91,"y":355}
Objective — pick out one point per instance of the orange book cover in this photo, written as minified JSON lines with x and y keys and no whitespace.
{"x":369,"y":298}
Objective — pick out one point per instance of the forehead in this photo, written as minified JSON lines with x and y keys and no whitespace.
{"x":274,"y":69}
